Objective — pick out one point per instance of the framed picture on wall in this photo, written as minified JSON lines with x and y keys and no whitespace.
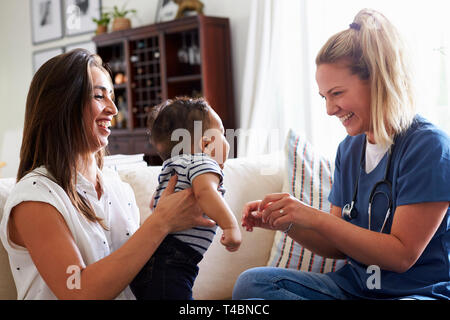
{"x":42,"y":56}
{"x":46,"y":20}
{"x":166,"y":10}
{"x":88,"y":45}
{"x":78,"y":16}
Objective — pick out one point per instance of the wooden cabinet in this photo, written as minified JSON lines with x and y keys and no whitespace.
{"x":189,"y":56}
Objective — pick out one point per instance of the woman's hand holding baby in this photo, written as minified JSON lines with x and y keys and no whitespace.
{"x":179,"y":210}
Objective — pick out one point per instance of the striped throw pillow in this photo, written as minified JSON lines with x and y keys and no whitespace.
{"x":309,"y":179}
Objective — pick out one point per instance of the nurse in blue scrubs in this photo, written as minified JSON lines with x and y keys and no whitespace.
{"x":391,"y":190}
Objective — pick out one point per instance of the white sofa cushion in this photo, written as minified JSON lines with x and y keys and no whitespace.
{"x":143,"y":181}
{"x":245,"y":179}
{"x":308,"y":177}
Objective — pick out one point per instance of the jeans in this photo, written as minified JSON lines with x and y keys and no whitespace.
{"x":283,"y":284}
{"x":169,"y":274}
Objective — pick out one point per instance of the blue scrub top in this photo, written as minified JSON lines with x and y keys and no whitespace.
{"x":419,"y":172}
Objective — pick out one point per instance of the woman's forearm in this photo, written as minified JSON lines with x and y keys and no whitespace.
{"x":315,"y":242}
{"x":108,"y":277}
{"x":331,"y":236}
{"x":367,"y":247}
{"x":295,"y":210}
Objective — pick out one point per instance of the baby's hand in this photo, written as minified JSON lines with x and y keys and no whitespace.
{"x":231,"y":239}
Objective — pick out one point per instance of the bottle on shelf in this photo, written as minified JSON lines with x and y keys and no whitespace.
{"x":162,"y":61}
{"x":121,"y":118}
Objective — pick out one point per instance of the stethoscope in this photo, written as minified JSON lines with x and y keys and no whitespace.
{"x":349,"y":211}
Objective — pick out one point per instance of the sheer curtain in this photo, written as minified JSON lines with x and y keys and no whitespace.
{"x":275,"y":70}
{"x":280,"y":91}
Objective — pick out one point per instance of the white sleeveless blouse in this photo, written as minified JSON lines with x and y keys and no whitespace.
{"x":117,"y":206}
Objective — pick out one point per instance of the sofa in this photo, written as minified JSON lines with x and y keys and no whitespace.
{"x":244,"y":181}
{"x":298,"y":169}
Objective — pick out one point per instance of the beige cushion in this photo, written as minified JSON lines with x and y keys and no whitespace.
{"x":143,"y":181}
{"x":7,"y":287}
{"x":245,"y":179}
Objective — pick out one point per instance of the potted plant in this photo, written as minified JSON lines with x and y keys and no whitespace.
{"x":102,"y":23}
{"x":121,"y":22}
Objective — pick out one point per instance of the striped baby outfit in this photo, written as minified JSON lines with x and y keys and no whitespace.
{"x":187,"y":167}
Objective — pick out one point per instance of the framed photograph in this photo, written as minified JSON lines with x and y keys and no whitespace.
{"x":46,"y":20}
{"x":88,"y":45}
{"x":78,"y":16}
{"x":166,"y":10}
{"x":42,"y":56}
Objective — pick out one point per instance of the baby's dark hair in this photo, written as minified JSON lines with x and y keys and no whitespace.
{"x":178,"y":113}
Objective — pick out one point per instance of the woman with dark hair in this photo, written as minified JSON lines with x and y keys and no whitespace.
{"x":71,"y":230}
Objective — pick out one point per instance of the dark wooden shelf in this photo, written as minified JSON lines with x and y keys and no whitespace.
{"x":193,"y":77}
{"x":120,"y":86}
{"x":190,"y":56}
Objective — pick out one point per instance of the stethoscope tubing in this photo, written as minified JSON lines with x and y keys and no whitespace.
{"x":349,"y":211}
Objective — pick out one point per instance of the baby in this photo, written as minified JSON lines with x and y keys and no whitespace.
{"x":198,"y":162}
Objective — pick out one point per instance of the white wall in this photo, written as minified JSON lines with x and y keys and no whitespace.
{"x":17,"y":50}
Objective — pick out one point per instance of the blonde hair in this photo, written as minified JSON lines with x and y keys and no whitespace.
{"x":373,"y":49}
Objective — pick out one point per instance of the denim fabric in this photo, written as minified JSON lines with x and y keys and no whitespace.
{"x":286,"y":284}
{"x":169,"y":274}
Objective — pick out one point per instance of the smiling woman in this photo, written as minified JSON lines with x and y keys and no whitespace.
{"x":390,"y":187}
{"x":65,"y":206}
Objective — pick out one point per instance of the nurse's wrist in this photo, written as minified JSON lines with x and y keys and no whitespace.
{"x":314,"y":217}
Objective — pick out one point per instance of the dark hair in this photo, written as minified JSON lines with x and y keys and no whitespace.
{"x":54,"y":133}
{"x":179,"y":113}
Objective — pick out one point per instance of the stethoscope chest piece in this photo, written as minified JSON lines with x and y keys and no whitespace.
{"x":349,"y":211}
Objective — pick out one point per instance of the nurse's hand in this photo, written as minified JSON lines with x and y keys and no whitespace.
{"x":252,"y":217}
{"x":279,"y":210}
{"x":179,"y":210}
